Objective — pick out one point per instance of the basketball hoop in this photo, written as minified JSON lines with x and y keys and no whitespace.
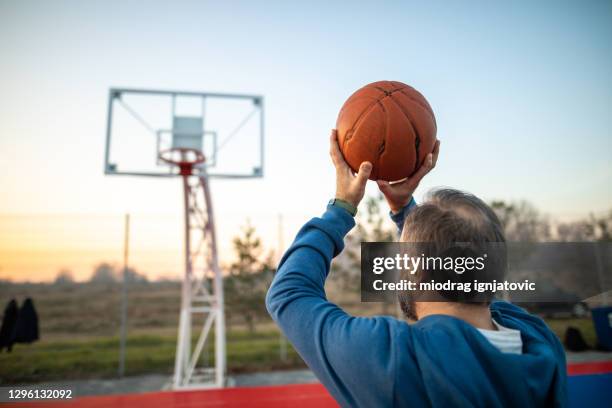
{"x":181,"y":142}
{"x":184,"y":158}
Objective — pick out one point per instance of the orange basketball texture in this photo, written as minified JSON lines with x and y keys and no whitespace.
{"x":389,"y":124}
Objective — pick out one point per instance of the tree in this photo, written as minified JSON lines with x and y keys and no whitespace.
{"x":575,"y":231}
{"x":133,"y":276}
{"x":371,"y":226}
{"x":376,"y":227}
{"x":602,"y":226}
{"x":522,"y":222}
{"x":593,"y":228}
{"x":103,"y":273}
{"x":249,"y":278}
{"x":64,"y":278}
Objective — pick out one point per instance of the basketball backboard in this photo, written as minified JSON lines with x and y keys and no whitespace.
{"x":142,"y":124}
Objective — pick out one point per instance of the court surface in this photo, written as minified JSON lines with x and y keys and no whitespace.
{"x":589,"y":383}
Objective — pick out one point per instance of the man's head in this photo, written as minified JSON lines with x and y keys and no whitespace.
{"x":446,"y":217}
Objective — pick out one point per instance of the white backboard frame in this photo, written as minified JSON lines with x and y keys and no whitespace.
{"x":114,"y":98}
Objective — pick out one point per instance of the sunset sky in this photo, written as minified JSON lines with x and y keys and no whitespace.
{"x":522,"y":94}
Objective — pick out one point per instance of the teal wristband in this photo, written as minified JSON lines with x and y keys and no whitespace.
{"x":336,"y":202}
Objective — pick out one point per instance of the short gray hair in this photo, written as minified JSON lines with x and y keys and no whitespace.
{"x":450,"y":215}
{"x":447,"y":217}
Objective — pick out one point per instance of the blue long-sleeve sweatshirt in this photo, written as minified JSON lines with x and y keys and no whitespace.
{"x":380,"y":361}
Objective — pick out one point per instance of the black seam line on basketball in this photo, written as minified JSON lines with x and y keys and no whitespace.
{"x":381,"y":150}
{"x":417,"y":144}
{"x":356,"y":127}
{"x":428,"y":109}
{"x":388,"y":93}
{"x":415,"y":101}
{"x":345,"y":106}
{"x":416,"y":133}
{"x":381,"y":153}
{"x":364,"y":113}
{"x":357,"y":122}
{"x":401,"y":90}
{"x":383,"y":145}
{"x":367,"y":110}
{"x":391,"y":84}
{"x":377,"y":159}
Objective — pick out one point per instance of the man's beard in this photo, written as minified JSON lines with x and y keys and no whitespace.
{"x":408,"y":305}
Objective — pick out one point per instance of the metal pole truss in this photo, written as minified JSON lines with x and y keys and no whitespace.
{"x":202,"y":295}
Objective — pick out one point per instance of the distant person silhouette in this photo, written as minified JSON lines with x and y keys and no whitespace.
{"x":9,"y":320}
{"x":574,"y":341}
{"x":26,"y":328}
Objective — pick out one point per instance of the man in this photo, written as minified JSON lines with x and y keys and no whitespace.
{"x":456,"y":354}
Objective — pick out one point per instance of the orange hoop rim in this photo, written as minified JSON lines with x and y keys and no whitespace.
{"x":184,"y":164}
{"x":165,"y":155}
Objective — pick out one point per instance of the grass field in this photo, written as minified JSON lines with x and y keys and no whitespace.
{"x":79,"y":334}
{"x":98,"y":357}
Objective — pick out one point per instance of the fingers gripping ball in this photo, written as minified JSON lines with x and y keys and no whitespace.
{"x":388,"y":124}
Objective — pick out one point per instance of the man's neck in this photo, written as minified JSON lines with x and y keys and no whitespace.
{"x":477,"y":315}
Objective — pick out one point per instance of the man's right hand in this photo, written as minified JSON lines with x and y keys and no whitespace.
{"x":349,"y":187}
{"x":398,"y":195}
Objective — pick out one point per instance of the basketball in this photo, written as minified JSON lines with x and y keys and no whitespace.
{"x":389,"y":124}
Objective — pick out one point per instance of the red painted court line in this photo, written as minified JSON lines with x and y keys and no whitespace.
{"x":277,"y":396}
{"x":592,"y":367}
